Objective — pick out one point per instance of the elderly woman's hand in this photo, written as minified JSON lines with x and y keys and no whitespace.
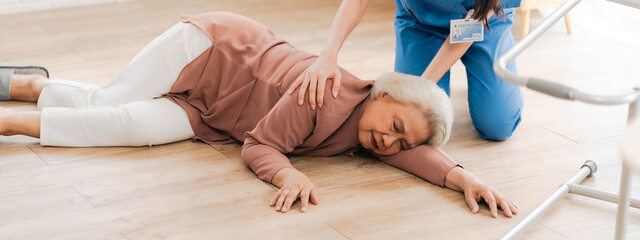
{"x":293,"y":184}
{"x":475,"y":191}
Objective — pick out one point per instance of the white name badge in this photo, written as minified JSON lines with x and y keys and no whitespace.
{"x":466,"y":30}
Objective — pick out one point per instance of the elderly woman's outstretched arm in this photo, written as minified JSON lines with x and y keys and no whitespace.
{"x":263,"y":150}
{"x":432,"y":164}
{"x":271,"y":165}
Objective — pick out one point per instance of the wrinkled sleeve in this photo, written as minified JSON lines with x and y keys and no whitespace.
{"x":279,"y":132}
{"x":425,"y":161}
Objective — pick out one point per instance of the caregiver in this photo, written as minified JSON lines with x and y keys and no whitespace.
{"x":424,"y":48}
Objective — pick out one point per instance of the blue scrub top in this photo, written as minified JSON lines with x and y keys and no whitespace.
{"x":439,"y":13}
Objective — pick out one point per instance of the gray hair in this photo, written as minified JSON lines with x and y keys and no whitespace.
{"x":426,"y":96}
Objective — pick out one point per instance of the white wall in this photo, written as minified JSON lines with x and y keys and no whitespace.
{"x":16,"y":6}
{"x":605,"y":20}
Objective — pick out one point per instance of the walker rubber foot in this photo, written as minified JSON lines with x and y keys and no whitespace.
{"x":591,"y":165}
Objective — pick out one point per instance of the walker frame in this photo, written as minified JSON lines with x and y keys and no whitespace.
{"x":565,"y":92}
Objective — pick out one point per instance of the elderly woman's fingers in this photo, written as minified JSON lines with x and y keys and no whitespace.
{"x":512,"y":206}
{"x":314,"y":196}
{"x":488,"y":197}
{"x":337,"y":80}
{"x":312,"y":91}
{"x":504,"y":204}
{"x":471,"y":202}
{"x":304,"y":199}
{"x":280,"y":202}
{"x":322,"y":80}
{"x":303,"y":87}
{"x":292,"y":196}
{"x":505,"y":208}
{"x":275,"y":198}
{"x":296,"y":83}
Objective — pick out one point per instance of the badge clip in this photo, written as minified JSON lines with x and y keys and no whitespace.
{"x":466,"y":29}
{"x":469,"y":14}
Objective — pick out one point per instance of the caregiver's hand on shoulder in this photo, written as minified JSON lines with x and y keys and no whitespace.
{"x":315,"y":78}
{"x":475,"y":191}
{"x":293,"y":184}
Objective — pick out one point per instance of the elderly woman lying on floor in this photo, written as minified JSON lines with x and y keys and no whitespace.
{"x":222,"y":78}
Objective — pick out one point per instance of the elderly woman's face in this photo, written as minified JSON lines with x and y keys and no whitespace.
{"x":387,"y":126}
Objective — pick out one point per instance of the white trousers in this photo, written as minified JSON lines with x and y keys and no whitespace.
{"x":124,"y":112}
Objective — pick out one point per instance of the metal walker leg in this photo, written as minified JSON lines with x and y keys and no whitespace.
{"x":626,"y":178}
{"x":572,"y":186}
{"x":625,"y":199}
{"x":587,"y":169}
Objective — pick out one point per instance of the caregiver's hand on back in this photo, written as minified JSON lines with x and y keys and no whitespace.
{"x":314,"y":78}
{"x":326,"y":65}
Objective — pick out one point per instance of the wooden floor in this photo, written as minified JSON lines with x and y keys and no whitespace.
{"x":190,"y":190}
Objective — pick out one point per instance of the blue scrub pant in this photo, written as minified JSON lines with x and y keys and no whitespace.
{"x":494,"y":104}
